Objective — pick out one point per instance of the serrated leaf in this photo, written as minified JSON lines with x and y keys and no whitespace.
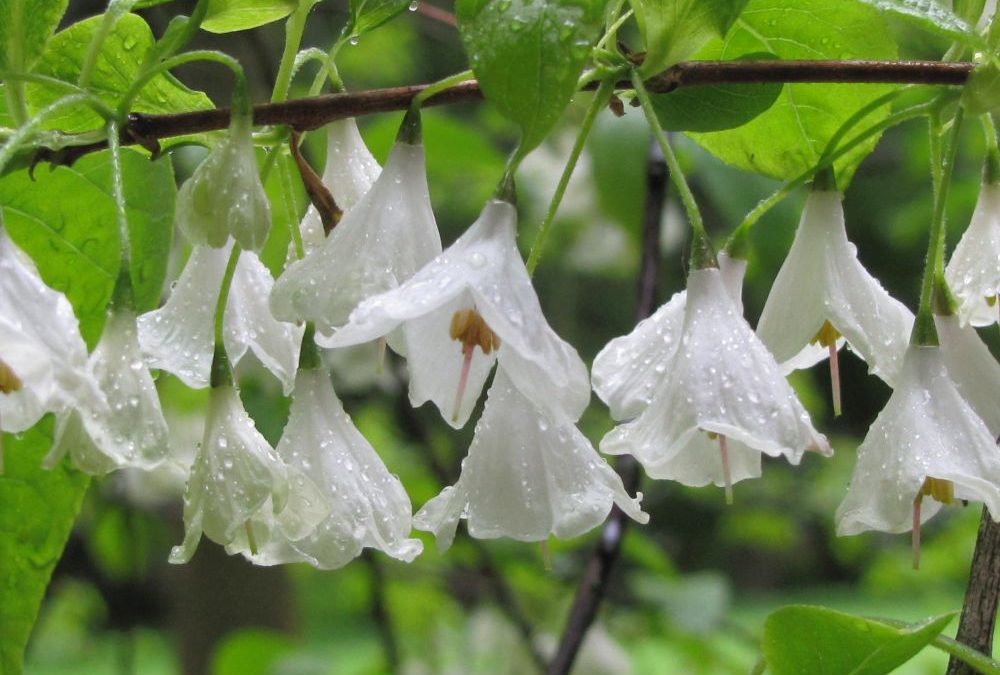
{"x":930,"y":15}
{"x":791,"y":135}
{"x":367,"y":15}
{"x":528,"y":56}
{"x":116,"y":68}
{"x":229,"y":16}
{"x":716,"y":107}
{"x":37,"y":510}
{"x":74,"y":239}
{"x":822,"y":641}
{"x":672,"y":30}
{"x":25,"y":28}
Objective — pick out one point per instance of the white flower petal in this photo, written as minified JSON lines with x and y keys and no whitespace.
{"x":628,"y":371}
{"x":485,"y":266}
{"x":926,"y":430}
{"x":972,"y":368}
{"x":527,"y":476}
{"x":367,"y":505}
{"x":40,"y":342}
{"x":378,"y":244}
{"x":721,"y":379}
{"x":822,"y":280}
{"x":248,"y":322}
{"x":973,"y":272}
{"x":130,"y":431}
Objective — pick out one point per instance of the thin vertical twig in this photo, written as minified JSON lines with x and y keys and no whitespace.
{"x":594,"y":583}
{"x":979,"y":612}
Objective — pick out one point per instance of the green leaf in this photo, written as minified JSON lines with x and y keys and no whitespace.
{"x":933,"y":16}
{"x":822,"y":641}
{"x":790,"y":136}
{"x":74,"y":239}
{"x":116,"y":68}
{"x":528,"y":56}
{"x":969,"y":10}
{"x":25,"y":28}
{"x":716,"y":107}
{"x":37,"y":510}
{"x":672,"y":30}
{"x":367,"y":15}
{"x":229,"y":16}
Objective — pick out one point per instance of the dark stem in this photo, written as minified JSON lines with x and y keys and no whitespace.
{"x":594,"y":583}
{"x":380,"y":613}
{"x":311,"y":113}
{"x":979,"y":612}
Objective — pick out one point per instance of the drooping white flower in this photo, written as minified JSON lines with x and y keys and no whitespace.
{"x":238,"y":480}
{"x":127,"y":428}
{"x":179,"y":337}
{"x":721,"y":384}
{"x":471,"y":305}
{"x":822,"y":284}
{"x":224,"y":196}
{"x":972,"y":368}
{"x":381,"y":242}
{"x":368,"y":506}
{"x":40,"y":344}
{"x":973,"y":272}
{"x":630,"y":368}
{"x":528,"y":475}
{"x":349,"y":173}
{"x":926,"y":441}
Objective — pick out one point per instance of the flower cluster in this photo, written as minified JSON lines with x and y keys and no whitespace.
{"x":699,"y":395}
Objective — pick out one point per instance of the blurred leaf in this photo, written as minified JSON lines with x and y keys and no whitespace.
{"x":619,"y":151}
{"x":228,"y":16}
{"x":249,"y":651}
{"x":116,"y":68}
{"x":672,"y":30}
{"x":821,"y":641}
{"x":789,"y":137}
{"x":969,"y":10}
{"x":288,"y":204}
{"x":933,"y":16}
{"x":696,"y":603}
{"x":74,"y":239}
{"x":528,"y":56}
{"x":37,"y":510}
{"x":25,"y":28}
{"x":367,"y":15}
{"x":716,"y":107}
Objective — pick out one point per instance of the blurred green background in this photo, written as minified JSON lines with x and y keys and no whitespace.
{"x":692,"y":588}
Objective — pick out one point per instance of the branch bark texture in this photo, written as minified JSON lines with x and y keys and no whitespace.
{"x":979,"y":611}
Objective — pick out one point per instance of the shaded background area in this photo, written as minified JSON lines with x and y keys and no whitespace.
{"x":693,"y":587}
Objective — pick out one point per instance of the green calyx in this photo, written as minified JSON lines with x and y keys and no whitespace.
{"x":702,"y":253}
{"x":506,"y":190}
{"x":222,"y":372}
{"x":309,"y":356}
{"x":411,"y":130}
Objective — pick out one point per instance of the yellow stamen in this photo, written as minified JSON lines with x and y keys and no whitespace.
{"x":827,"y":336}
{"x":9,"y":381}
{"x":469,"y":328}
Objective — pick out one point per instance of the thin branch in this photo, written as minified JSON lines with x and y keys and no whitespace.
{"x":594,"y":583}
{"x":311,"y":113}
{"x":979,"y":611}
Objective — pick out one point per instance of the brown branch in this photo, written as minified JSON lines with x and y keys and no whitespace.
{"x":979,"y":611}
{"x":594,"y":583}
{"x":311,"y":113}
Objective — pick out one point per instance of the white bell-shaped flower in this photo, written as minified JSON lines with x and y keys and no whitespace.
{"x":368,"y":506}
{"x":973,"y":272}
{"x":349,"y":174}
{"x":224,"y":196}
{"x":721,"y":384}
{"x":380,"y":243}
{"x":129,"y":429}
{"x":927,"y":441}
{"x":528,"y":476}
{"x":40,"y":345}
{"x":179,"y":337}
{"x":238,"y":481}
{"x":972,"y":368}
{"x":822,"y":284}
{"x":472,"y":304}
{"x":630,"y":368}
